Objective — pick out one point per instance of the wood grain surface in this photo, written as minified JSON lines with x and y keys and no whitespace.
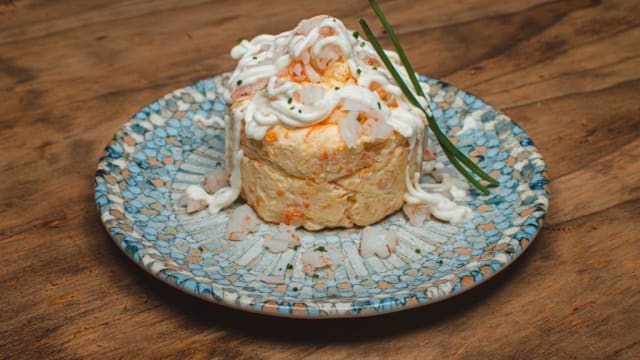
{"x":72,"y":72}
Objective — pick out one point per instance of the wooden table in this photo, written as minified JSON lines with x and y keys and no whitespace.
{"x":72,"y":72}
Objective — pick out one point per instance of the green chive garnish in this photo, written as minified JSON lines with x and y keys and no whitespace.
{"x":289,"y":101}
{"x":239,"y":82}
{"x":454,"y":155}
{"x":356,"y":34}
{"x":320,"y":249}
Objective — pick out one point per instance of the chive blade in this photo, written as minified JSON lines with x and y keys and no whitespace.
{"x":466,"y":174}
{"x":396,"y":44}
{"x":387,"y":62}
{"x":449,"y":149}
{"x":416,"y":85}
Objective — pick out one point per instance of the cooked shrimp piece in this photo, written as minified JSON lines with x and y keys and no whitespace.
{"x":417,"y":214}
{"x":318,"y":258}
{"x":214,"y":180}
{"x":283,"y":238}
{"x":194,"y":199}
{"x":242,"y":221}
{"x":379,"y":242}
{"x":248,"y":90}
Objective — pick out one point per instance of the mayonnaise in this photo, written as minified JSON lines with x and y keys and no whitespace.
{"x":263,"y":98}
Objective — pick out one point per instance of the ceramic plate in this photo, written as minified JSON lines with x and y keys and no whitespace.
{"x":167,"y":146}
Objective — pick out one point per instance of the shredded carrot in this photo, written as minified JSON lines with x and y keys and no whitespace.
{"x":291,"y":216}
{"x":327,"y":31}
{"x":311,"y":130}
{"x":271,"y":136}
{"x":378,"y":89}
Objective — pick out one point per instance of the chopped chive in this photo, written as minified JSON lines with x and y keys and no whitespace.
{"x":337,"y":88}
{"x":320,"y":249}
{"x":255,"y":58}
{"x":299,"y":111}
{"x":356,"y":34}
{"x":289,"y":101}
{"x":289,"y":266}
{"x":315,"y":276}
{"x":240,"y":39}
{"x":296,"y":247}
{"x":359,"y":71}
{"x":375,"y":68}
{"x":379,"y":106}
{"x":418,"y":251}
{"x":359,"y":118}
{"x":295,"y":288}
{"x":362,"y":44}
{"x":239,"y":82}
{"x":291,"y":108}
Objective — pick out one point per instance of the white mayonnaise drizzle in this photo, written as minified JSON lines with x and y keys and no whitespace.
{"x":263,"y":98}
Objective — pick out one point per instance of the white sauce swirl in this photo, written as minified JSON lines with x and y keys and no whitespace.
{"x":263,"y":97}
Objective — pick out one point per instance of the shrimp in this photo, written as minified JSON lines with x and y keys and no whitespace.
{"x":248,"y":90}
{"x":283,"y":238}
{"x":242,"y":221}
{"x":379,"y":242}
{"x":214,"y":180}
{"x":417,"y":214}
{"x":195,"y":199}
{"x":318,"y":258}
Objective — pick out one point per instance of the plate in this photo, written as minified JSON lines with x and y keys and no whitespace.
{"x":166,"y":146}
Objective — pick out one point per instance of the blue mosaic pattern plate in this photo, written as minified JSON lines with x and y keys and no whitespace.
{"x":167,"y":146}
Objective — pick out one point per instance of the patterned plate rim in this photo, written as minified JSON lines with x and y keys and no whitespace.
{"x":107,"y":202}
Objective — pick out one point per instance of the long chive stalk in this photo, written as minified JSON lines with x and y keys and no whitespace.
{"x":416,"y":85}
{"x":396,"y":43}
{"x":453,"y":154}
{"x":412,"y":99}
